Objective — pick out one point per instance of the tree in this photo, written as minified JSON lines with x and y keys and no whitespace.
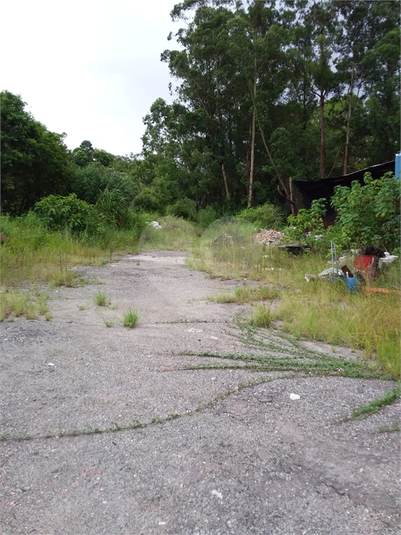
{"x":34,"y":161}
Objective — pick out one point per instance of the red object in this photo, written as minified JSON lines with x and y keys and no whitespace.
{"x":367,"y":265}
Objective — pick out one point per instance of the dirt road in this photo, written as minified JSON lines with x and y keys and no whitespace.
{"x":110,"y":430}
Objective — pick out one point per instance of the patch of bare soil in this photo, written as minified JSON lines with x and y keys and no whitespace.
{"x":111,"y":430}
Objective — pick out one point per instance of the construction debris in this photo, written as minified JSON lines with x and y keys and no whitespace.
{"x":268,"y":237}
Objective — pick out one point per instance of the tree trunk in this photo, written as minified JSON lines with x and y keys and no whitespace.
{"x":322,"y":141}
{"x":253,"y":131}
{"x":350,"y":93}
{"x":223,"y":170}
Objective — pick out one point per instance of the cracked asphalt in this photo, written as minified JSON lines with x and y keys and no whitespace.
{"x":110,"y":430}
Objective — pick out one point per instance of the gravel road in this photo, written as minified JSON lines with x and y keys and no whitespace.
{"x":110,"y":430}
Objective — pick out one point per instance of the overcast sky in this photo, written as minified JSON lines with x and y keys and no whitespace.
{"x":88,"y":68}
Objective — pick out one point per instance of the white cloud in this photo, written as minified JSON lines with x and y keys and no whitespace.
{"x":90,"y":69}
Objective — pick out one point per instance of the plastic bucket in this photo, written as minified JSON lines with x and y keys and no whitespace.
{"x":351,"y":283}
{"x":366,"y":264}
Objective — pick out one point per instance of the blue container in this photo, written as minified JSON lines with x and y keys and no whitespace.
{"x":351,"y":283}
{"x":398,"y":165}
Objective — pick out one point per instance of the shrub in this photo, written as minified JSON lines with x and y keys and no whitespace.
{"x":185,"y":208}
{"x":368,"y":214}
{"x":307,"y":225}
{"x":206,"y":216}
{"x":266,"y":216}
{"x":64,"y":213}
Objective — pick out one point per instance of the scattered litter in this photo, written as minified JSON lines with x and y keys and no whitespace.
{"x":387,"y":259}
{"x":217,"y":494}
{"x":213,"y":338}
{"x":162,"y":523}
{"x":193,"y":330}
{"x":268,"y":237}
{"x":294,"y":397}
{"x":155,"y":224}
{"x":331,"y":271}
{"x":340,"y":369}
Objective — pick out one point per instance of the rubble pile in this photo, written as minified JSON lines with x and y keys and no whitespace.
{"x":268,"y":237}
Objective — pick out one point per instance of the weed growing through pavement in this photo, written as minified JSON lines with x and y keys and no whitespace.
{"x":130,"y":319}
{"x":100,"y":299}
{"x":246,"y":294}
{"x":262,"y":316}
{"x":376,"y":405}
{"x":30,"y":304}
{"x":389,"y":429}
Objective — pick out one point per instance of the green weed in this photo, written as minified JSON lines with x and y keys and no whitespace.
{"x":130,"y":319}
{"x":262,"y":316}
{"x":30,"y":304}
{"x":100,"y":299}
{"x":389,"y":429}
{"x":376,"y":405}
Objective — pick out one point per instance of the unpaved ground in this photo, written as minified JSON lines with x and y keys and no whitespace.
{"x":211,"y":457}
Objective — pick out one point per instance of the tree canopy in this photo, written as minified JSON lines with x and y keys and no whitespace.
{"x":265,"y":91}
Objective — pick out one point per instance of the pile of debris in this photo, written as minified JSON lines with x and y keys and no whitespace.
{"x":268,"y":237}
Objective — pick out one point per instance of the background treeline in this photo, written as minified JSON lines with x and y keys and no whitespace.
{"x":265,"y":91}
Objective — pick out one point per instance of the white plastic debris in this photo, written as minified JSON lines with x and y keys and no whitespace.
{"x":217,"y":494}
{"x":155,"y":224}
{"x":387,"y":259}
{"x":294,"y":397}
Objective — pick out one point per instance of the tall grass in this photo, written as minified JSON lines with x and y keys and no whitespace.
{"x":33,"y":253}
{"x":227,"y":250}
{"x":317,"y":310}
{"x":331,"y":314}
{"x":175,"y":234}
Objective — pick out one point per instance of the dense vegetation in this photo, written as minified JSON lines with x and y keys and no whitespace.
{"x":265,"y":91}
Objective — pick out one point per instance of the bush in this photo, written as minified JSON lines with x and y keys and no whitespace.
{"x":64,"y":213}
{"x":368,"y":215}
{"x":206,"y":216}
{"x":185,"y":208}
{"x":148,"y":201}
{"x":307,"y":225}
{"x":266,"y":216}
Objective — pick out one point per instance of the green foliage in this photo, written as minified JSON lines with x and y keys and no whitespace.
{"x":100,"y":299}
{"x":185,"y":208}
{"x":93,"y":179}
{"x":130,"y":319}
{"x":64,"y":213}
{"x":375,"y":406}
{"x":368,"y":214}
{"x":112,"y":206}
{"x":148,"y":200}
{"x":175,"y":234}
{"x":262,"y":316}
{"x":34,"y":161}
{"x":307,"y":225}
{"x":266,"y":216}
{"x":207,"y":216}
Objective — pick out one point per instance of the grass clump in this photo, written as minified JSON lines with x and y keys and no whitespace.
{"x":246,"y":294}
{"x":376,"y":405}
{"x":262,"y":316}
{"x":31,"y":305}
{"x":130,"y":319}
{"x":100,"y":299}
